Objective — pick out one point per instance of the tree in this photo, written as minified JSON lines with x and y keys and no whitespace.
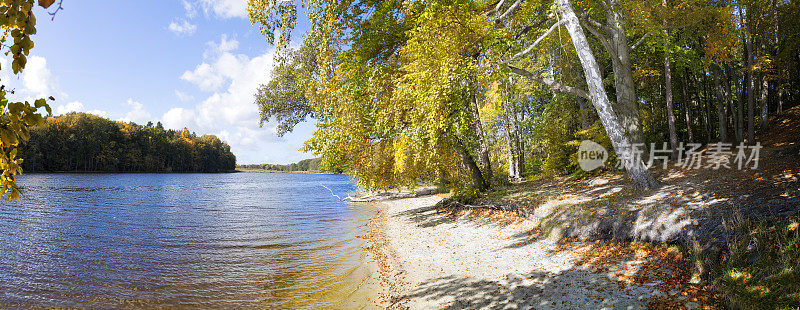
{"x":410,"y":91}
{"x":393,"y":104}
{"x":19,"y":24}
{"x":621,"y":136}
{"x":673,"y":136}
{"x":85,"y":142}
{"x":599,"y":97}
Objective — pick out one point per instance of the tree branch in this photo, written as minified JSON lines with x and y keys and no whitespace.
{"x":583,"y":17}
{"x":510,"y":10}
{"x":605,"y":5}
{"x":610,"y":50}
{"x":530,"y":48}
{"x":496,"y":7}
{"x":53,"y":14}
{"x":599,"y":35}
{"x":529,"y":27}
{"x":638,"y":42}
{"x":556,"y":86}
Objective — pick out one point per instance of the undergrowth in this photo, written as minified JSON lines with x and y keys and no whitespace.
{"x":761,"y":270}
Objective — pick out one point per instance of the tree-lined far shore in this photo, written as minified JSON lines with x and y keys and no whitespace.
{"x":311,"y":165}
{"x":79,"y":142}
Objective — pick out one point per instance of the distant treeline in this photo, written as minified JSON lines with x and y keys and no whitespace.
{"x":306,"y":165}
{"x":84,"y":142}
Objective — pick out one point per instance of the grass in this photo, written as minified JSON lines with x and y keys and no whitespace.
{"x":761,"y":270}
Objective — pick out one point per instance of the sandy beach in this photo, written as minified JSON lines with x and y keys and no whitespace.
{"x":433,"y":259}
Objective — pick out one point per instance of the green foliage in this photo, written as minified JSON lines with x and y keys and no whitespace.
{"x":85,"y":142}
{"x":556,"y":134}
{"x":382,"y":114}
{"x":762,"y":271}
{"x":284,"y":96}
{"x":391,"y":83}
{"x":18,"y":25}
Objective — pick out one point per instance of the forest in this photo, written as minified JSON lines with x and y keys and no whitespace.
{"x":79,"y":142}
{"x":474,"y":93}
{"x":305,"y":165}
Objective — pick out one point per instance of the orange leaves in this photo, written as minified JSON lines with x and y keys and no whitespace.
{"x":46,"y":3}
{"x":665,"y":268}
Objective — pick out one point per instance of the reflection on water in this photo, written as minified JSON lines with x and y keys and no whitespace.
{"x":249,"y":240}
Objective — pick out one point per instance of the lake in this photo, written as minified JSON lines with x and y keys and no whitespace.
{"x":240,"y":240}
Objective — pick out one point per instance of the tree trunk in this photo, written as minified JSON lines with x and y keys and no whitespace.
{"x":776,"y":43}
{"x":583,"y":113}
{"x":764,"y":103}
{"x":519,"y":143}
{"x":722,"y":100}
{"x":478,"y":181}
{"x":626,"y":107}
{"x":513,"y":174}
{"x":707,"y":107}
{"x":673,"y":136}
{"x":740,"y":108}
{"x":728,"y":99}
{"x":619,"y":139}
{"x":750,"y":80}
{"x":483,"y":147}
{"x":687,"y":113}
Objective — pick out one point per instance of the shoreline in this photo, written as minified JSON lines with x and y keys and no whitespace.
{"x":385,"y":259}
{"x":432,"y":258}
{"x":126,"y":172}
{"x":276,"y":171}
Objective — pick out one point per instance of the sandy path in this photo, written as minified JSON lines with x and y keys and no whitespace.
{"x":434,"y":261}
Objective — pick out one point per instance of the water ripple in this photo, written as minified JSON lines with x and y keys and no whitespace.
{"x":244,"y":240}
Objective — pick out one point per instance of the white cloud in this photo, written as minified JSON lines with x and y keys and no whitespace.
{"x":191,"y":11}
{"x":226,"y":8}
{"x":98,"y":113}
{"x":204,"y":76}
{"x":184,"y":97}
{"x":136,"y":114}
{"x":178,"y":118}
{"x":229,"y":110}
{"x":221,"y":66}
{"x":182,"y":28}
{"x":37,"y":79}
{"x":76,"y":106}
{"x":216,"y":49}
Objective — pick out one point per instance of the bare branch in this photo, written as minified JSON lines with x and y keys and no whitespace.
{"x":528,"y":28}
{"x":597,"y":34}
{"x":510,"y":10}
{"x":53,"y":14}
{"x":530,"y":48}
{"x":588,"y":19}
{"x":603,"y":41}
{"x":640,"y":41}
{"x":496,"y":7}
{"x":556,"y":86}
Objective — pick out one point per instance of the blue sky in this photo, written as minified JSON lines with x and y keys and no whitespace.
{"x":186,"y":63}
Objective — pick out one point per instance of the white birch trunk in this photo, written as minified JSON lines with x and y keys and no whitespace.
{"x":619,"y":139}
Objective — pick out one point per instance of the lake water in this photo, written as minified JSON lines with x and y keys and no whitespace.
{"x":241,"y":240}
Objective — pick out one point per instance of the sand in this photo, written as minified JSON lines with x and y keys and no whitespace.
{"x":433,"y":260}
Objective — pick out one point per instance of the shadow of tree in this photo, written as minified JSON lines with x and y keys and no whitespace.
{"x":569,"y":289}
{"x":584,"y":275}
